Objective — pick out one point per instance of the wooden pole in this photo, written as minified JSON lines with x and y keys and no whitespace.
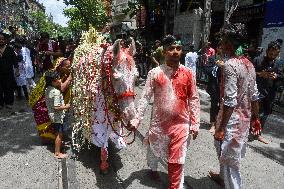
{"x":207,"y":21}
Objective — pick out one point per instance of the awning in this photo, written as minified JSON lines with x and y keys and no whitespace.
{"x":245,"y":14}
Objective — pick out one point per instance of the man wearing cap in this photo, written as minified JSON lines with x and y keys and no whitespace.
{"x":176,"y":113}
{"x":8,"y":62}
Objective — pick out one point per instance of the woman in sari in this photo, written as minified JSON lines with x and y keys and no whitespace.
{"x":37,"y":100}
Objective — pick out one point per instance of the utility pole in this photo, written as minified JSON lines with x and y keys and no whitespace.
{"x":206,"y":21}
{"x":166,"y":17}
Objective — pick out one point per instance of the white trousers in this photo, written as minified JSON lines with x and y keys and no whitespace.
{"x":228,"y":170}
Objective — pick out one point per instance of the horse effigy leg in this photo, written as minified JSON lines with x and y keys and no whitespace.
{"x":104,"y":166}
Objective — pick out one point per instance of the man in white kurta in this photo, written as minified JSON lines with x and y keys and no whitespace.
{"x":238,"y":106}
{"x":176,"y":112}
{"x":29,"y":67}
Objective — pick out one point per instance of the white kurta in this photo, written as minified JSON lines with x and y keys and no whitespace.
{"x":21,"y":80}
{"x":176,"y":111}
{"x":240,"y":90}
{"x":28,"y":62}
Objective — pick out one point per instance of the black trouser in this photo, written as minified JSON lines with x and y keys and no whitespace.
{"x":214,"y":93}
{"x":142,"y":67}
{"x":19,"y":91}
{"x":214,"y":108}
{"x":265,"y":105}
{"x":7,"y":86}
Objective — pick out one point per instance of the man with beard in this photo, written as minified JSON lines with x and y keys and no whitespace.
{"x":8,"y":62}
{"x":176,"y":113}
{"x":267,"y":74}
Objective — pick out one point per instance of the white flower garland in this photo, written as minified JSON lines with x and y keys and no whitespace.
{"x":86,"y":75}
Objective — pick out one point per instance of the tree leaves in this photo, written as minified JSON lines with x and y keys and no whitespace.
{"x":85,"y":13}
{"x":44,"y":24}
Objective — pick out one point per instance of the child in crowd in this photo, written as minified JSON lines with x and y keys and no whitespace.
{"x":56,"y":108}
{"x":21,"y":78}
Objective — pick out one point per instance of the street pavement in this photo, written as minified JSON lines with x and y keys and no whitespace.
{"x":257,"y":167}
{"x":24,"y":163}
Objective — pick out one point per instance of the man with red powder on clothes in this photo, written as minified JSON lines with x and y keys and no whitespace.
{"x":48,"y":51}
{"x":208,"y":52}
{"x":238,"y":109}
{"x":176,"y":113}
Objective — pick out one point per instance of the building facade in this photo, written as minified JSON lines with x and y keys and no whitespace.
{"x":15,"y":14}
{"x":121,"y":22}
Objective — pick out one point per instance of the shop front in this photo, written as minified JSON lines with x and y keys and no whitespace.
{"x":251,"y":15}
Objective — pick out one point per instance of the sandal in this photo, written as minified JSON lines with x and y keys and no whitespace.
{"x":61,"y":156}
{"x":216,"y":178}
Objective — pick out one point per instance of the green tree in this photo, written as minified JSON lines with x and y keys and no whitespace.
{"x":65,"y":32}
{"x":42,"y":22}
{"x":86,"y":12}
{"x":76,"y":22}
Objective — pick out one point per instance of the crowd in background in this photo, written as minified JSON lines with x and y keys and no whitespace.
{"x":24,"y":60}
{"x":34,"y":57}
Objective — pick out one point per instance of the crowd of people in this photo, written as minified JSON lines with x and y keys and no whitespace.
{"x":242,"y":84}
{"x":269,"y":77}
{"x":24,"y":59}
{"x":268,"y":65}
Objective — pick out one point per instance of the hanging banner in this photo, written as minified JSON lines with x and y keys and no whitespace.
{"x":274,"y":16}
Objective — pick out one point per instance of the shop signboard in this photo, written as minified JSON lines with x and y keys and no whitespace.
{"x":273,"y":23}
{"x":274,"y":16}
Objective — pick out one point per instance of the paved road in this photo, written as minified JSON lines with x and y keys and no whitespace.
{"x":24,"y":163}
{"x":255,"y":167}
{"x":129,"y":168}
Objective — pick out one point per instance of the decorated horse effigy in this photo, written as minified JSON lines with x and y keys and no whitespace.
{"x":102,"y":93}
